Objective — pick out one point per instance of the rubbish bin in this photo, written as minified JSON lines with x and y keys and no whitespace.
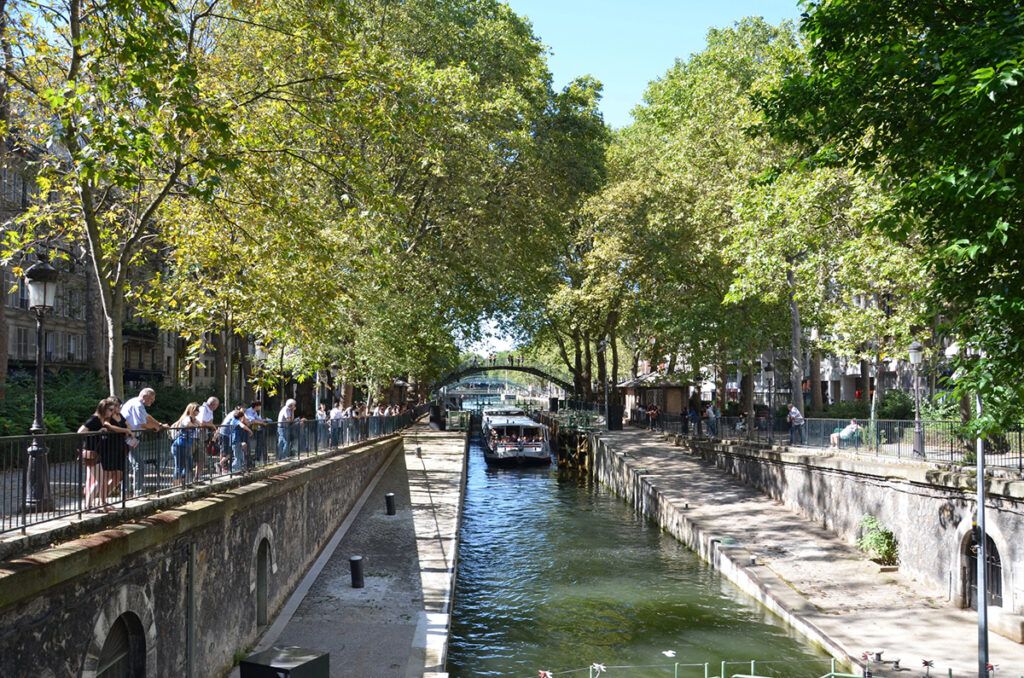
{"x":286,"y":662}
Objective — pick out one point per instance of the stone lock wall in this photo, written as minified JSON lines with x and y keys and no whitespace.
{"x":930,"y":511}
{"x":188,"y":576}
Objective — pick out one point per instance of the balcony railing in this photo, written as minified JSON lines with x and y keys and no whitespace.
{"x":162,"y":462}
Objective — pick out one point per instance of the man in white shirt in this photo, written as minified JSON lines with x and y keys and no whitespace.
{"x":134,"y":412}
{"x":285,"y":429}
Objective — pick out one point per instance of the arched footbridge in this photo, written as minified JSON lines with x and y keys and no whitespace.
{"x":463,"y":371}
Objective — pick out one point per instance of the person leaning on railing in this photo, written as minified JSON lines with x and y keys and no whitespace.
{"x":94,"y":445}
{"x":183,"y":437}
{"x":285,"y":435}
{"x":134,"y":411}
{"x":258,"y":424}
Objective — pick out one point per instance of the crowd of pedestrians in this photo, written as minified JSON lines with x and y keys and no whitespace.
{"x":120,"y":438}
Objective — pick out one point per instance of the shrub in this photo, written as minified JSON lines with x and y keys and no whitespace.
{"x":848,"y":409}
{"x":878,"y":541}
{"x":896,"y":405}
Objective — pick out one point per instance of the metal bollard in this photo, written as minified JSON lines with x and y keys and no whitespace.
{"x":356,"y":565}
{"x":389,"y":503}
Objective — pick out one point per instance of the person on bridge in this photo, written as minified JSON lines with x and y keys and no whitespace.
{"x":285,"y":424}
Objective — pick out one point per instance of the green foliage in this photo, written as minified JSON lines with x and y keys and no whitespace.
{"x":848,"y":409}
{"x":943,"y":406}
{"x":69,"y":397}
{"x":896,"y":404}
{"x":943,"y":131}
{"x":878,"y":541}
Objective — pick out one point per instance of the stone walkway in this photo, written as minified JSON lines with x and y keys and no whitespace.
{"x":823,"y":580}
{"x":397,"y":625}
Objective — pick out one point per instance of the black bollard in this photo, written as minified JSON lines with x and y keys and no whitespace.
{"x":356,"y":565}
{"x":389,"y":502}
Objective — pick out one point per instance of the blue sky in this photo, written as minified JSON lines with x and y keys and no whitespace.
{"x":626,"y":44}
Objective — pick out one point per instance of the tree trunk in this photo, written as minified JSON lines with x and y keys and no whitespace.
{"x":602,"y":370}
{"x":588,"y":370}
{"x":722,"y":381}
{"x":219,"y":365}
{"x":796,"y":361}
{"x":748,"y":396}
{"x":816,"y":400}
{"x":865,"y":380}
{"x":615,"y":367}
{"x":114,"y":316}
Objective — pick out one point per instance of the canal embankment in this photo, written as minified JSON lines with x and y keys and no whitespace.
{"x":802,"y":571}
{"x":397,"y":624}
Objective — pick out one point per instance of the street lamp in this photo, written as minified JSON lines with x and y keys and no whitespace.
{"x":770,"y":373}
{"x":916,"y":352}
{"x":982,"y":538}
{"x":42,"y":293}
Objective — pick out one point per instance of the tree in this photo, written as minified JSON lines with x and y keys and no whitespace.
{"x":927,"y":96}
{"x":107,"y":91}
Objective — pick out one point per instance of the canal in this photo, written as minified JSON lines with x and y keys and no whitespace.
{"x":556,"y":573}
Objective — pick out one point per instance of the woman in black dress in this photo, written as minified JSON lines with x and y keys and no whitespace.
{"x":113,"y":464}
{"x":94,"y":447}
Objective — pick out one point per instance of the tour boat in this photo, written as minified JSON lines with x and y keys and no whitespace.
{"x":515,"y":439}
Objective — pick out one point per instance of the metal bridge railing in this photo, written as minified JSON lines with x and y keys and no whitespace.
{"x":945,"y":441}
{"x":76,"y":481}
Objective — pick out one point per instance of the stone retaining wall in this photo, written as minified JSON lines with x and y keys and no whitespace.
{"x":187,"y":582}
{"x":930,"y":510}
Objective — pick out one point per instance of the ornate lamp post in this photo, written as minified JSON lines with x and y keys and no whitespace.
{"x":916,"y":352}
{"x":770,"y":374}
{"x":260,"y":354}
{"x":42,"y":293}
{"x":603,"y":344}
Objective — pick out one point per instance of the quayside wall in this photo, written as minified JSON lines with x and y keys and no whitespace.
{"x":930,"y":510}
{"x":190,"y":587}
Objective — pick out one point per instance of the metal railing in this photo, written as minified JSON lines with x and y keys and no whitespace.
{"x":944,"y":441}
{"x":101,"y":472}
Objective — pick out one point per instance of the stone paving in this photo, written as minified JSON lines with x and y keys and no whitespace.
{"x":831,"y":585}
{"x":397,"y":625}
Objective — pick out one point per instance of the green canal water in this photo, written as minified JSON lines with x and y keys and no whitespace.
{"x":556,"y":573}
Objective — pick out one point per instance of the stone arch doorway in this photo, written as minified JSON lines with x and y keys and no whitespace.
{"x":262,"y":581}
{"x":124,"y":650}
{"x":993,"y":571}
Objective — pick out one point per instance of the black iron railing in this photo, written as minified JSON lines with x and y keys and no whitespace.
{"x":944,"y":441}
{"x":102,"y":472}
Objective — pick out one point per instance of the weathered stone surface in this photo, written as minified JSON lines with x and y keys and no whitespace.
{"x":57,"y":605}
{"x":930,"y":511}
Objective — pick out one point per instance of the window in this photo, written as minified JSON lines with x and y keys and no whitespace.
{"x":152,"y":358}
{"x":72,"y":348}
{"x":48,"y":345}
{"x":22,"y":294}
{"x":24,"y":343}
